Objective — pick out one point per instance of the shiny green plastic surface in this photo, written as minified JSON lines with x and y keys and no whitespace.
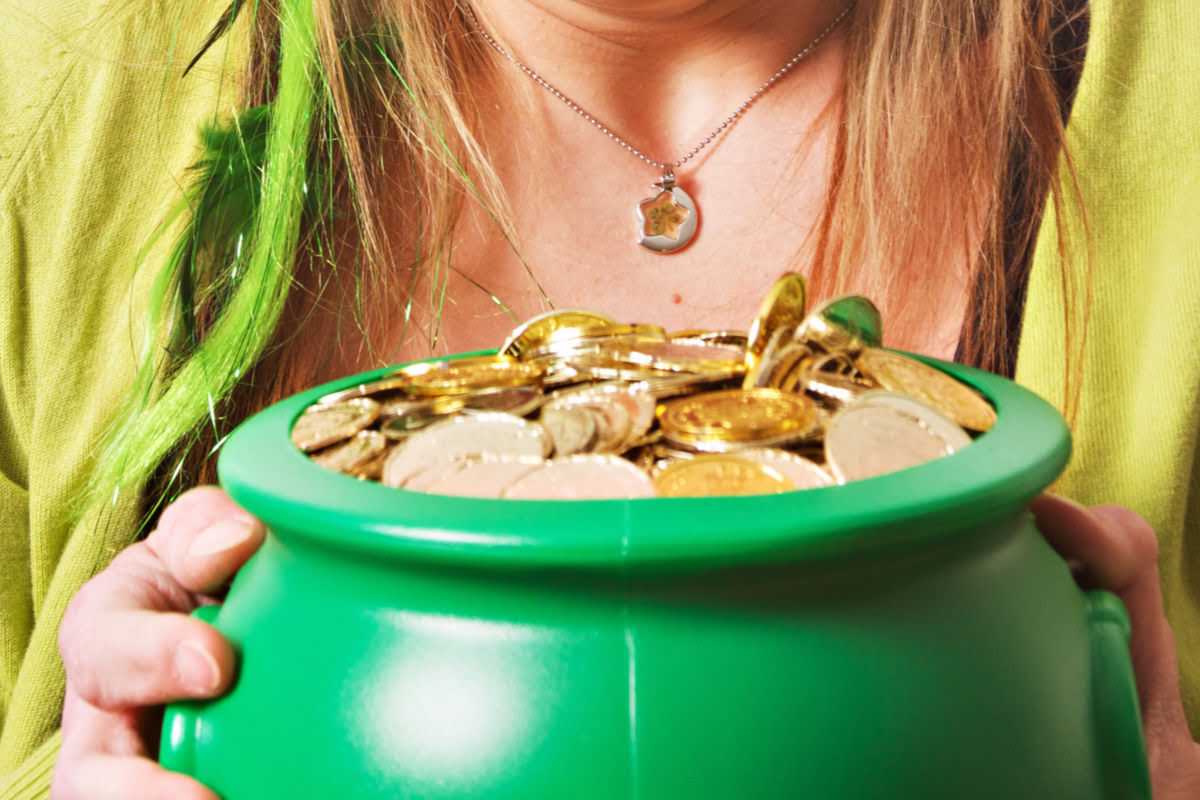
{"x":909,"y":636}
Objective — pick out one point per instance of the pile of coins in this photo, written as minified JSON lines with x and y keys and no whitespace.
{"x":578,"y":405}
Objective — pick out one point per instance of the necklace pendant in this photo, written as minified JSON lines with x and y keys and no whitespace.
{"x":667,"y":222}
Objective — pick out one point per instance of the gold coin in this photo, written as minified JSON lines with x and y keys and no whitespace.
{"x":665,"y":451}
{"x":518,"y":400}
{"x":373,"y":470}
{"x":560,"y":374}
{"x":648,"y":330}
{"x":403,"y":418}
{"x":586,"y":350}
{"x":758,"y":372}
{"x":823,"y":335}
{"x":405,"y":406}
{"x":373,"y":389}
{"x":779,"y":365}
{"x":322,"y":425}
{"x":713,"y":475}
{"x":538,"y":331}
{"x":737,"y":339}
{"x":898,"y":373}
{"x":675,"y":356}
{"x":644,"y":441}
{"x":643,"y":458}
{"x":739,"y":416}
{"x":568,"y":343}
{"x":803,"y":472}
{"x":459,"y":425}
{"x":782,"y":308}
{"x":865,"y":440}
{"x":830,"y":378}
{"x":353,"y":454}
{"x":835,"y":390}
{"x":680,"y":384}
{"x":466,"y":376}
{"x":599,"y":369}
{"x":838,"y":363}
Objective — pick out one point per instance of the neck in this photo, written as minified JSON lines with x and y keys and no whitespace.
{"x":661,"y":73}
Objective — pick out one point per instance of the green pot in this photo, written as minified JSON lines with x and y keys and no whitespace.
{"x":908,"y":636}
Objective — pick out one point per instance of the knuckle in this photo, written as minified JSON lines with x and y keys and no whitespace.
{"x":176,"y":515}
{"x":1136,"y":531}
{"x":86,"y":682}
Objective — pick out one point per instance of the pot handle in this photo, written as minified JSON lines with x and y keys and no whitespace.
{"x":1120,"y":746}
{"x":182,"y":721}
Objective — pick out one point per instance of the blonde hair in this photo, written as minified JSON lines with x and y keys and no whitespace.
{"x":940,"y":100}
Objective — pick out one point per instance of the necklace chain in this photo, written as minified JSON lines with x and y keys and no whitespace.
{"x":666,"y":167}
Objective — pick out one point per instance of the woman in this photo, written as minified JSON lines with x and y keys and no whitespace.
{"x":909,"y":155}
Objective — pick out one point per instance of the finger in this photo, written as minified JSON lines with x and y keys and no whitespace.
{"x":87,"y":730}
{"x":1119,"y":550}
{"x":204,"y":537}
{"x":1152,"y":644}
{"x":105,"y":777}
{"x":120,"y":653}
{"x":1110,"y":555}
{"x":1155,"y":663}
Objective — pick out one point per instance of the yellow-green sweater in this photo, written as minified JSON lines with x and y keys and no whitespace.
{"x":97,"y":126}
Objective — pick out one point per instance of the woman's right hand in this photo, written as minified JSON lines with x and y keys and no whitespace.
{"x":129,"y":646}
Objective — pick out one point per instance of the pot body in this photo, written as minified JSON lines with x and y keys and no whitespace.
{"x":907,"y":636}
{"x":974,"y":670}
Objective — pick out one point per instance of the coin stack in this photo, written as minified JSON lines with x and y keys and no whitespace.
{"x":577,"y":405}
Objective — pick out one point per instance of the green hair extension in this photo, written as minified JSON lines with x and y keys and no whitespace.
{"x":247,"y":208}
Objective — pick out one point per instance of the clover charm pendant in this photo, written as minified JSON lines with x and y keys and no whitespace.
{"x":667,"y":222}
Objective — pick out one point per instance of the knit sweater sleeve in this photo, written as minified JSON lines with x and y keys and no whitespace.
{"x":1137,"y":436}
{"x":97,"y":127}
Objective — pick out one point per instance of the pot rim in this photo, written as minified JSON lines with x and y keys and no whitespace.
{"x":996,"y":476}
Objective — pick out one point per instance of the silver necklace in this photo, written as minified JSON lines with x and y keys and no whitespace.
{"x":666,"y":222}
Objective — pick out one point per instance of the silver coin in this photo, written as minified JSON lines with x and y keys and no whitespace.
{"x":353,"y":454}
{"x":483,"y":477}
{"x":468,"y":435}
{"x":584,"y":477}
{"x":573,"y":430}
{"x":943,"y":426}
{"x":434,"y":473}
{"x":805,"y":474}
{"x":610,"y":416}
{"x":868,"y":440}
{"x":628,"y":411}
{"x":320,"y":426}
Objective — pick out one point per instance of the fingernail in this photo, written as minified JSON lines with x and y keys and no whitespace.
{"x":197,"y":668}
{"x":221,"y":536}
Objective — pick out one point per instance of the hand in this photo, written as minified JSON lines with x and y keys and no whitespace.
{"x":1117,"y":550}
{"x":129,"y":646}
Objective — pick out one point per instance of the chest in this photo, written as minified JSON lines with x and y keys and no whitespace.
{"x":573,"y":202}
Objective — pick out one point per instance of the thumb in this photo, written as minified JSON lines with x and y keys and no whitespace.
{"x":1152,"y":645}
{"x":204,"y":537}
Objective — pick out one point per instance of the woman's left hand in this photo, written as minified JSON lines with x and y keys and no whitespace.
{"x":1117,"y":550}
